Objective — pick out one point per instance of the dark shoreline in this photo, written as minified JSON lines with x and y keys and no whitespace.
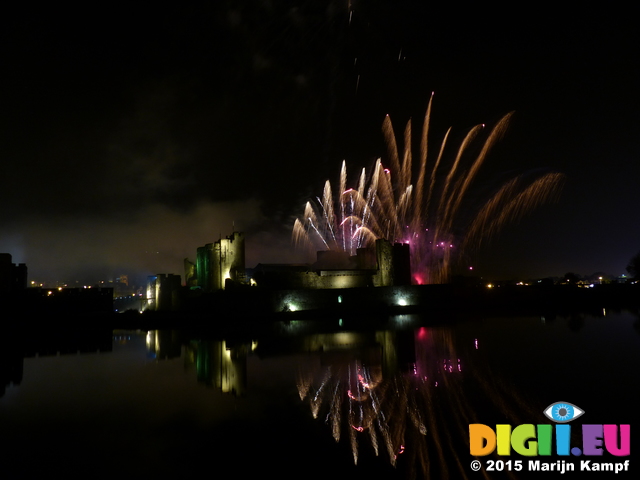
{"x":245,"y":308}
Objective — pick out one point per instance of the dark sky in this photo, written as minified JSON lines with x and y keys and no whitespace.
{"x":130,"y":136}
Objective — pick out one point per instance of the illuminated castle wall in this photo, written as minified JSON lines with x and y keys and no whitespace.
{"x":218,"y":263}
{"x":385,"y":266}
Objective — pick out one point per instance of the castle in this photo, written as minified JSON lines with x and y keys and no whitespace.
{"x":221,"y":265}
{"x":217,"y":265}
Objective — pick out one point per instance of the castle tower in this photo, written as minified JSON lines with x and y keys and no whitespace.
{"x":384,"y":257}
{"x":228,"y":261}
{"x":401,"y":264}
{"x":167,"y":291}
{"x":204,"y":267}
{"x":217,"y":263}
{"x":394,"y":264}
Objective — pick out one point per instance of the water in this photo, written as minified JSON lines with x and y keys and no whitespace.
{"x":305,"y":399}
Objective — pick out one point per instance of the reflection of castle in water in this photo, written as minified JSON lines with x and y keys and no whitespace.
{"x":400,"y":395}
{"x":11,"y":366}
{"x":381,"y":391}
{"x":218,"y":363}
{"x":405,"y":396}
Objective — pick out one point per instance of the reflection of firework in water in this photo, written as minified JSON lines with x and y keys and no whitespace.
{"x":426,"y":213}
{"x":417,"y":419}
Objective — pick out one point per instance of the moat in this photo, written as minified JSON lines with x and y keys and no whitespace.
{"x":323,"y":398}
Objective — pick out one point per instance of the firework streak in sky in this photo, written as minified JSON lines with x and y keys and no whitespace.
{"x":428,"y":212}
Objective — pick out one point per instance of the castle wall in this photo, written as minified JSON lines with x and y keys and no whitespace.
{"x":308,"y":278}
{"x":386,"y":265}
{"x":346,"y":298}
{"x":338,"y":279}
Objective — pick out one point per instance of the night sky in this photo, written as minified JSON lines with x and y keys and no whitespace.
{"x":130,"y":136}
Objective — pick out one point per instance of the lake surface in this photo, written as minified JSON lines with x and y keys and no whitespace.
{"x":306,"y":399}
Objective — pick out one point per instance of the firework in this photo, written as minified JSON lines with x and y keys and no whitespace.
{"x":429,"y":212}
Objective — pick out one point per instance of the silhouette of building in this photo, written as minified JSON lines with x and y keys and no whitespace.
{"x":12,"y":277}
{"x":65,"y":300}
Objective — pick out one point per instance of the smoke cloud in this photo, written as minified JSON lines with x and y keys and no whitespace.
{"x":154,"y":239}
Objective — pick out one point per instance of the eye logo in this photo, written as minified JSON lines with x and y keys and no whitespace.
{"x":562,"y":412}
